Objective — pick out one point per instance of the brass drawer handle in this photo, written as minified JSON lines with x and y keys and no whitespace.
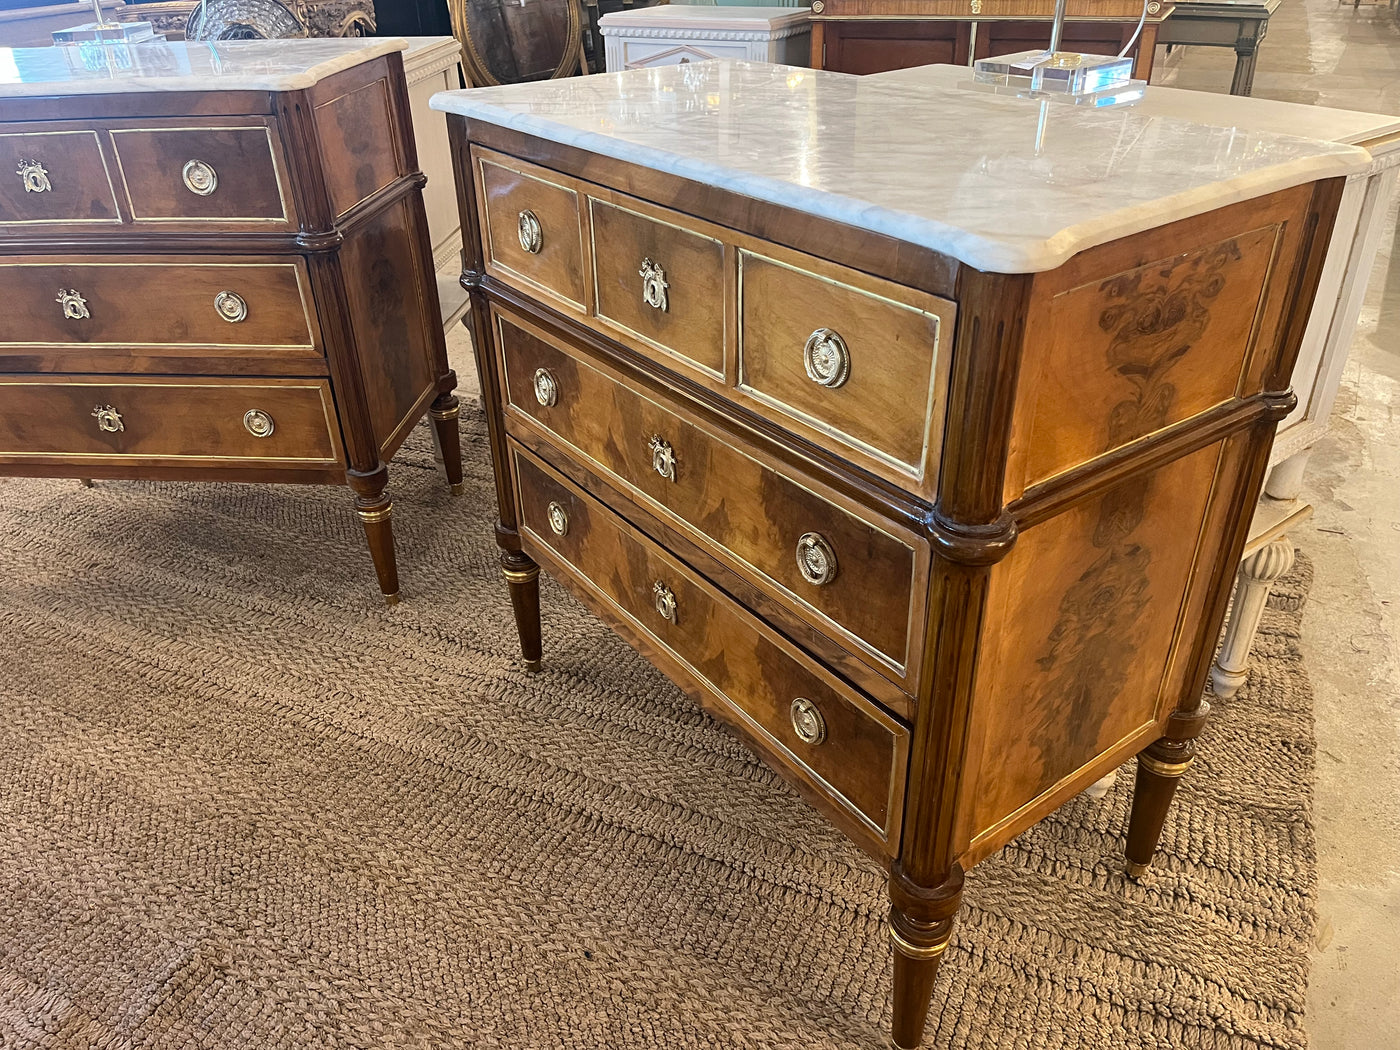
{"x":34,"y":177}
{"x":546,"y":388}
{"x":531,"y":232}
{"x":665,"y":601}
{"x":258,"y":423}
{"x":558,"y":518}
{"x":663,"y":457}
{"x":808,"y":722}
{"x":231,"y":306}
{"x":826,"y":358}
{"x":199,"y":177}
{"x":109,"y":420}
{"x":654,"y":285}
{"x":815,"y":558}
{"x":75,"y":307}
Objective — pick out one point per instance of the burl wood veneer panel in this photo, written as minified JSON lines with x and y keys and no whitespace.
{"x":152,"y":163}
{"x":1160,"y":335}
{"x":358,"y":139}
{"x":1081,"y":617}
{"x":753,"y":673}
{"x":506,"y":190}
{"x":390,"y":304}
{"x":78,"y":186}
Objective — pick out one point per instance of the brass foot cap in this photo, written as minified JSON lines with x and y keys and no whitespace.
{"x":391,"y":599}
{"x":532,"y":665}
{"x":459,"y":489}
{"x":1136,"y":870}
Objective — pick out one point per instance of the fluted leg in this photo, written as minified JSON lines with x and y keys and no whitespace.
{"x":376,"y":513}
{"x":445,"y":413}
{"x":1257,"y":574}
{"x":921,"y":924}
{"x":1161,"y":766}
{"x":523,"y":577}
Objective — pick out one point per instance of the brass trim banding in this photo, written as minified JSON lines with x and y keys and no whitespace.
{"x":521,"y":575}
{"x":1164,"y":769}
{"x":923,"y":953}
{"x":373,"y":517}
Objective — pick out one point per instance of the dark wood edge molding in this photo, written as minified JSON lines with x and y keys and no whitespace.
{"x":973,"y":544}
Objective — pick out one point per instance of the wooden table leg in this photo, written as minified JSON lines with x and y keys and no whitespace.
{"x":523,"y":577}
{"x":376,"y":515}
{"x":1257,"y":574}
{"x":445,"y":412}
{"x":1161,"y":766}
{"x":921,"y":925}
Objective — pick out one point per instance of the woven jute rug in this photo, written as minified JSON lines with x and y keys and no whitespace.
{"x":244,"y":805}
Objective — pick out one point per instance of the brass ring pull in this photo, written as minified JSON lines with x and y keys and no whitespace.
{"x":826,"y":358}
{"x":199,"y":178}
{"x":109,"y":420}
{"x":531,"y":232}
{"x":75,"y":307}
{"x":663,"y":457}
{"x":231,"y":306}
{"x":546,"y":388}
{"x":665,"y":601}
{"x":815,"y":559}
{"x":807,"y":721}
{"x":654,"y":285}
{"x":258,"y":423}
{"x":34,"y":176}
{"x":558,"y":518}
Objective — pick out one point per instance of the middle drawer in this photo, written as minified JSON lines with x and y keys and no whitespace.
{"x":852,"y":576}
{"x":173,"y":301}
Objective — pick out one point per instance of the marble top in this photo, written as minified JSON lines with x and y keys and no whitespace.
{"x":1001,"y":183}
{"x":1207,"y":107}
{"x":185,"y":65}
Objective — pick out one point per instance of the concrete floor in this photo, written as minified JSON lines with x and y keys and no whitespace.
{"x":1322,"y":52}
{"x":1327,"y":53}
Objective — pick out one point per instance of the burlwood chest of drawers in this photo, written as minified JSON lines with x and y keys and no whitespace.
{"x":216,"y":266}
{"x":920,"y":448}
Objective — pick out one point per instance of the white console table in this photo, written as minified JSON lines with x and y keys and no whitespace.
{"x":672,"y":34}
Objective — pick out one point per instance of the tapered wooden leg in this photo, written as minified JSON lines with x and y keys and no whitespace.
{"x":376,"y":514}
{"x":523,"y":577}
{"x":85,"y":482}
{"x":1161,"y":766}
{"x":445,"y":413}
{"x":921,"y":924}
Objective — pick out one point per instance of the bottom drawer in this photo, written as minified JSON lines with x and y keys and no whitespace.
{"x":848,"y":751}
{"x":239,"y":422}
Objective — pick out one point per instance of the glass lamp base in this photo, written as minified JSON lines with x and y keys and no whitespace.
{"x":1067,"y":76}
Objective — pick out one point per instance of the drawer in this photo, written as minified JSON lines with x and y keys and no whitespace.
{"x":287,"y":422}
{"x":853,"y":357}
{"x":532,"y":229}
{"x":202,"y":173}
{"x":842,"y":746}
{"x":842,"y":572}
{"x":54,"y":177}
{"x":165,"y":301}
{"x":659,"y":282}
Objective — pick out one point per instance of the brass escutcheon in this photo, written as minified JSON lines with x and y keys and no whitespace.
{"x":109,"y":420}
{"x":546,"y":388}
{"x":665,"y":601}
{"x":663,"y":457}
{"x":231,"y":306}
{"x":815,"y":558}
{"x":654,"y":285}
{"x":826,"y":358}
{"x":807,"y":721}
{"x":558,"y":518}
{"x":75,"y":307}
{"x":531,"y":232}
{"x":258,"y":423}
{"x":199,"y":178}
{"x":34,"y":176}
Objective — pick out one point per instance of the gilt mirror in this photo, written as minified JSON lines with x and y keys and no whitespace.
{"x":511,"y":41}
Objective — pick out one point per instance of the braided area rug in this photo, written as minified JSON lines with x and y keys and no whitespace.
{"x":244,"y":805}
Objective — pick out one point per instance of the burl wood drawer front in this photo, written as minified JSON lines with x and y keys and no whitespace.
{"x":847,"y":575}
{"x":846,"y":748}
{"x":164,"y":302}
{"x":851,"y":356}
{"x":217,"y":173}
{"x":288,"y":422}
{"x":532,"y":230}
{"x":660,"y":283}
{"x":49,"y":177}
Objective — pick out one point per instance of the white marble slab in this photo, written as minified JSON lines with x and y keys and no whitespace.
{"x":703,"y":16}
{"x":1002,"y":184}
{"x":1208,"y":107}
{"x":225,"y":65}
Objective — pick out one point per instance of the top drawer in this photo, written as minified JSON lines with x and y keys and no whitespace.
{"x":55,"y":177}
{"x":219,"y":173}
{"x":531,"y":230}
